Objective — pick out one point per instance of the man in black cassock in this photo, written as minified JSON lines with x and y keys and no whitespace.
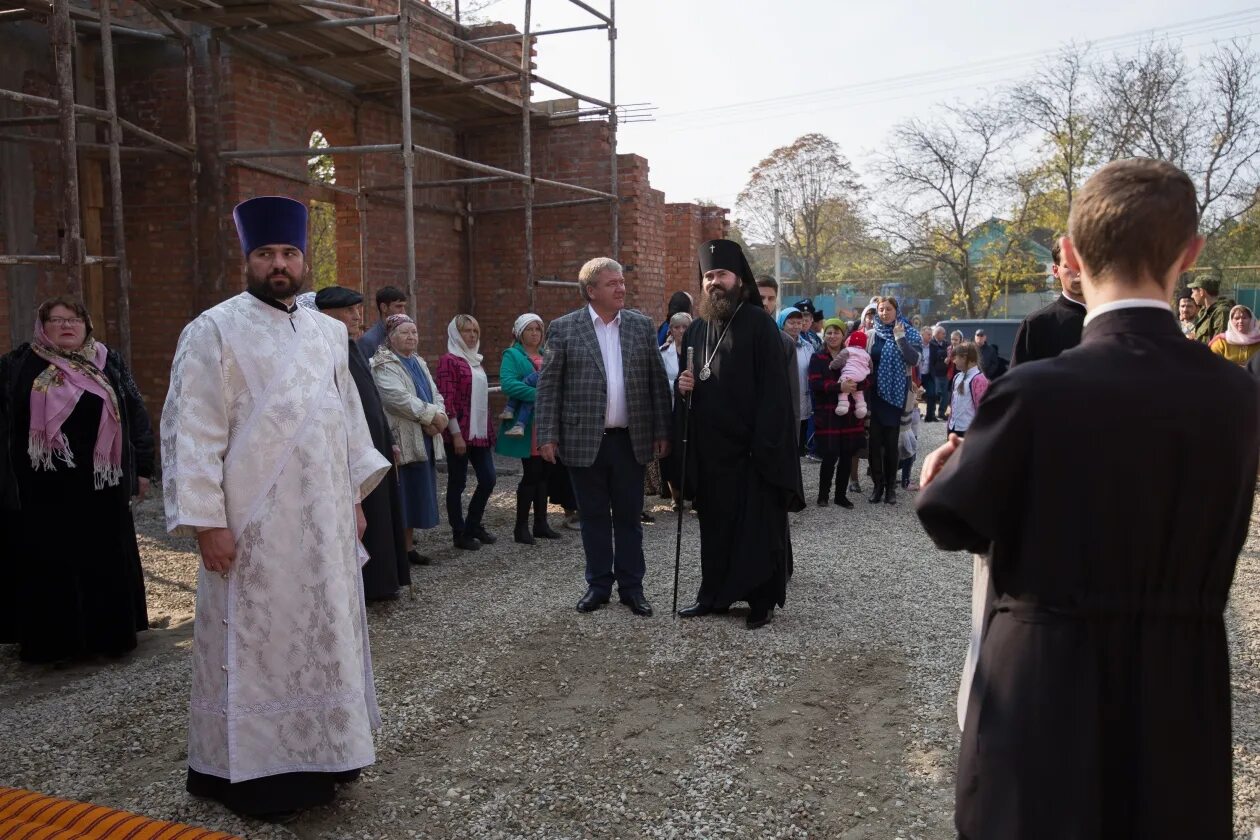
{"x":386,"y":569}
{"x":1100,"y":704}
{"x":741,"y":451}
{"x":1056,"y":326}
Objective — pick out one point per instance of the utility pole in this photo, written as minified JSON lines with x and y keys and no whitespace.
{"x":777,"y":279}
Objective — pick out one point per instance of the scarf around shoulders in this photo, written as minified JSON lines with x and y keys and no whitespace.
{"x":479,"y":399}
{"x":54,"y":395}
{"x":891,"y":378}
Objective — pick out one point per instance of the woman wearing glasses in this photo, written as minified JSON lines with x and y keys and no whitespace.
{"x":77,"y":448}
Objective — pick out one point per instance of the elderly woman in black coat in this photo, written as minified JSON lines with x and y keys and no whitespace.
{"x":77,"y":447}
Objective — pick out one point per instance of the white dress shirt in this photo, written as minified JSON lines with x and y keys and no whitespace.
{"x":609,"y":337}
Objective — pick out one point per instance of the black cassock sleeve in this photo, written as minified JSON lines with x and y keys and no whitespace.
{"x":774,"y":420}
{"x":982,"y":493}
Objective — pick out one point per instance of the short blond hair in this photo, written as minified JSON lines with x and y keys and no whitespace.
{"x":590,"y":272}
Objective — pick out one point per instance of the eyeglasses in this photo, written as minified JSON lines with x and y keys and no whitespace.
{"x":73,"y":322}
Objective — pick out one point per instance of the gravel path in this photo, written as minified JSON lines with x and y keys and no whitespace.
{"x":510,"y":715}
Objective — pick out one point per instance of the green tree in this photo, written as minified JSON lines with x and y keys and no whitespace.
{"x":820,"y":206}
{"x":322,"y":223}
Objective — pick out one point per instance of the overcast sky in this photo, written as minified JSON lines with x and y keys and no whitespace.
{"x":730,"y":86}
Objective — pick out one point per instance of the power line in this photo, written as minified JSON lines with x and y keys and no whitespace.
{"x":1003,"y":64}
{"x":888,"y":94}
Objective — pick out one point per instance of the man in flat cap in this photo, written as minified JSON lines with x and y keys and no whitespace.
{"x":741,"y":441}
{"x":387,"y":567}
{"x":1213,"y":309}
{"x":266,"y":457}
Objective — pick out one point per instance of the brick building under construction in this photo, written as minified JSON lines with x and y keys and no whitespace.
{"x":155,"y":117}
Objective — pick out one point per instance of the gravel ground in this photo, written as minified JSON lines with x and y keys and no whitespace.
{"x":509,"y":715}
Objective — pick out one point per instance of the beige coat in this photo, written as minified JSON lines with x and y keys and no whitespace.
{"x":407,"y":413}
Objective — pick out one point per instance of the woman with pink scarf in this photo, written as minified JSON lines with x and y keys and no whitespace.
{"x":1241,"y":340}
{"x":77,"y":448}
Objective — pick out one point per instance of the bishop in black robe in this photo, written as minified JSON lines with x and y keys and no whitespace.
{"x":741,"y":449}
{"x":1100,"y":706}
{"x":1049,"y":331}
{"x":387,"y":568}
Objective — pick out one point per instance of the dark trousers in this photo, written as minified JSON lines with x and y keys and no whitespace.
{"x":482,"y":458}
{"x":882,"y":452}
{"x":826,"y":470}
{"x":534,"y":471}
{"x":942,"y":394}
{"x":931,"y":395}
{"x":906,"y":465}
{"x":610,"y":501}
{"x":802,"y":437}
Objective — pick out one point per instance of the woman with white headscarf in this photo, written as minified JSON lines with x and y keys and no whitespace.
{"x":518,"y":377}
{"x":466,"y":391}
{"x":1241,"y":340}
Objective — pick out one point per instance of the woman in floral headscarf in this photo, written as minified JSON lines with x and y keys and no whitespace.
{"x":77,"y":448}
{"x":1240,"y":342}
{"x":417,"y":417}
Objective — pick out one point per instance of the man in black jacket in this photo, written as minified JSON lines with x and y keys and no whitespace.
{"x":1105,"y":636}
{"x":1057,"y":326}
{"x":938,"y":367}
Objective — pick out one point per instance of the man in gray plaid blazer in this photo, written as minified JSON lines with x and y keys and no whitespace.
{"x":603,"y":406}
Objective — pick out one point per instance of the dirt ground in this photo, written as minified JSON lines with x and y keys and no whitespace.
{"x":507,"y":714}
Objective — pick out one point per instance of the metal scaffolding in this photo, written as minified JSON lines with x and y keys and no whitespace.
{"x":344,"y":55}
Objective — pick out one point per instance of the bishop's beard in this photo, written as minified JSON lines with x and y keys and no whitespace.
{"x":718,"y":304}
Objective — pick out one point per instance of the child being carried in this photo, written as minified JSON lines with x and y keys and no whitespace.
{"x":856,"y":368}
{"x":519,"y":410}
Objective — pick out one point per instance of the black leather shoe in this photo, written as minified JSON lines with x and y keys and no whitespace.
{"x":890,"y":496}
{"x":522,"y":535}
{"x":695,"y":610}
{"x":637,"y":603}
{"x":646,"y":518}
{"x":591,"y":601}
{"x":759,"y":617}
{"x":484,"y":537}
{"x":843,"y":501}
{"x":823,"y":501}
{"x":877,"y":496}
{"x":417,"y":559}
{"x":466,"y":542}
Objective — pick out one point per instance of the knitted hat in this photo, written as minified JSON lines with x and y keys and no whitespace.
{"x":857,"y":339}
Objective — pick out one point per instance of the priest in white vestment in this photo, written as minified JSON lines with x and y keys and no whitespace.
{"x":266,"y":456}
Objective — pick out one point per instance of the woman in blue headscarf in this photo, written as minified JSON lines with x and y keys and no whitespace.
{"x":792,"y":322}
{"x":894,"y":346}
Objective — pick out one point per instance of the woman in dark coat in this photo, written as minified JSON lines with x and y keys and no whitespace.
{"x":838,"y":438}
{"x":77,"y":447}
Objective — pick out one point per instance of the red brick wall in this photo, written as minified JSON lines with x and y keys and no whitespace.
{"x":243,"y":103}
{"x":686,"y":227}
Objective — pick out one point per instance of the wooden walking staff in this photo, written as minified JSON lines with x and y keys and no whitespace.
{"x":682,"y":476}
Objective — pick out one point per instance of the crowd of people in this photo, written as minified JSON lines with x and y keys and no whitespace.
{"x":301,"y":452}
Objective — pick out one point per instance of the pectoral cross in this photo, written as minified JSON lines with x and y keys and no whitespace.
{"x":712,"y":249}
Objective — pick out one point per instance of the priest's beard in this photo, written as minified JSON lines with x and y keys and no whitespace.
{"x":277,"y":285}
{"x":718,"y":304}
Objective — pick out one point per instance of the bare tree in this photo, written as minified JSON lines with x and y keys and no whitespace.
{"x":819,"y":200}
{"x":1058,"y":105}
{"x":1205,"y":122}
{"x":943,"y":176}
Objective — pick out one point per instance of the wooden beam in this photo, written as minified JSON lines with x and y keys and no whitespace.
{"x":322,"y":59}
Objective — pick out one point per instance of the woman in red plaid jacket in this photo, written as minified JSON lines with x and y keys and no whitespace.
{"x":470,"y":436}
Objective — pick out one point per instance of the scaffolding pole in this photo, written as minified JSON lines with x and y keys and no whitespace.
{"x":527,"y":157}
{"x":72,"y":250}
{"x":115,"y":183}
{"x":614,"y":208}
{"x":408,"y":152}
